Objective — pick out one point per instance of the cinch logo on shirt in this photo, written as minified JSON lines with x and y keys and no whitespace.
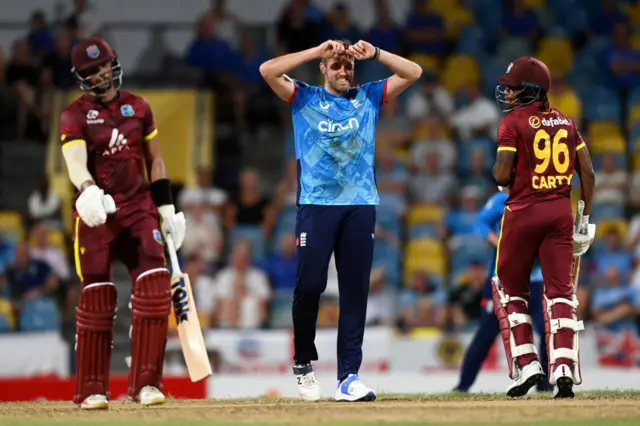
{"x":116,"y":144}
{"x":332,"y":127}
{"x":552,"y":122}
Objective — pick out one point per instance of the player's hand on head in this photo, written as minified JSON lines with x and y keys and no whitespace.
{"x":173,"y":223}
{"x":330,"y":49}
{"x":91,"y":208}
{"x":362,"y":50}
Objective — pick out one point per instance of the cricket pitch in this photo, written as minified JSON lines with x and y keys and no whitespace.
{"x":587,"y":409}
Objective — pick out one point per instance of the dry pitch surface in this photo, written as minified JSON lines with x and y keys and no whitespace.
{"x":587,"y":409}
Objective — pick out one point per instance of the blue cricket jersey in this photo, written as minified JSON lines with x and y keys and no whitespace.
{"x":489,"y":220}
{"x":334,"y":140}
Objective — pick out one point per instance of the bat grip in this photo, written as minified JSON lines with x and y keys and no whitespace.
{"x":579,"y":215}
{"x":173,"y":256}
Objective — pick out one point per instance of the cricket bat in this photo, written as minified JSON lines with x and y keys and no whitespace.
{"x":189,"y":330}
{"x":576,"y":260}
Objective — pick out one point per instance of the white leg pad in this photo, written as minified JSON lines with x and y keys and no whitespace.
{"x":514,"y":319}
{"x":555,"y":325}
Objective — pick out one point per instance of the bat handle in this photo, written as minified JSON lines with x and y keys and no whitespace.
{"x":578,"y":222}
{"x":173,"y":256}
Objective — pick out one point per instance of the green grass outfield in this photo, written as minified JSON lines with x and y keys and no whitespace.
{"x":603,"y":408}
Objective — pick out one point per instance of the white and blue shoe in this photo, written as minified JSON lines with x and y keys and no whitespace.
{"x":352,"y":389}
{"x":308,"y":385}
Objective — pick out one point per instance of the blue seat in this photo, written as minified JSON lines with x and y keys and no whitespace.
{"x":5,"y":325}
{"x":39,"y":315}
{"x":467,"y":148}
{"x":280,"y":309}
{"x":602,"y":104}
{"x":472,"y":41}
{"x":470,"y":249}
{"x":423,"y":230}
{"x":387,"y":217}
{"x":388,"y":257}
{"x":607,"y":211}
{"x":254,"y":235}
{"x":621,"y":161}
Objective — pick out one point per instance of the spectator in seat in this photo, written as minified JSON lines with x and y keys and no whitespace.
{"x":565,"y":99}
{"x":23,"y":77}
{"x":58,"y":61}
{"x":250,"y":207}
{"x":461,"y":221}
{"x":204,"y":289}
{"x":39,"y":38}
{"x":431,"y":100}
{"x":622,"y":60}
{"x":54,"y":257}
{"x":519,"y":21}
{"x":434,"y":142}
{"x":614,"y":304}
{"x":384,"y":33}
{"x":242,"y":292}
{"x":29,"y":278}
{"x":433,"y":185}
{"x":340,"y":25}
{"x":391,"y":178}
{"x":605,"y":19}
{"x":465,"y":301}
{"x":297,"y":28}
{"x":84,"y":15}
{"x":281,"y":266}
{"x":421,"y":305}
{"x":393,"y":128}
{"x":425,"y":30}
{"x":381,"y":305}
{"x":478,"y":117}
{"x":613,"y":254}
{"x":45,"y":206}
{"x":611,"y":182}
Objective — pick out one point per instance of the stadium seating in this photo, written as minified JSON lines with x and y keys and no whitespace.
{"x":39,"y":315}
{"x":11,"y":225}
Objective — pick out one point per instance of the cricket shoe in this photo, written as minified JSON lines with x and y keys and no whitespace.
{"x":564,"y":382}
{"x":308,"y":385}
{"x":352,"y":389}
{"x":150,"y":395}
{"x":95,"y":402}
{"x":529,"y":376}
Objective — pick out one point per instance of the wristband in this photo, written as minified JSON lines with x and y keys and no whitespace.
{"x":376,"y":55}
{"x":161,"y":192}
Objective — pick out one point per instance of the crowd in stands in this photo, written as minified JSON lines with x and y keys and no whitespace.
{"x":434,"y":152}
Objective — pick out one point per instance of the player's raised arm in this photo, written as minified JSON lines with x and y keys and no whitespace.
{"x":274,"y":70}
{"x":160,"y":186}
{"x":406,"y":72}
{"x":93,"y":204}
{"x":584,"y":169}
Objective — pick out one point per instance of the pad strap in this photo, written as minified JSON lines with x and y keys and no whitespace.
{"x":95,"y":315}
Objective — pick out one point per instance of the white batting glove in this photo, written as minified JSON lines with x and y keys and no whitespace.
{"x":583,"y":239}
{"x":172,"y":223}
{"x":91,"y":206}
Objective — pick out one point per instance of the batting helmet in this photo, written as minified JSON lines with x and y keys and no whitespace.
{"x":527,"y":80}
{"x":86,"y":58}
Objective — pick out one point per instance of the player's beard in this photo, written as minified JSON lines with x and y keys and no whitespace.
{"x":340,"y":84}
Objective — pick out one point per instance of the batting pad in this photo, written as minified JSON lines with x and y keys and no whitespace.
{"x":151,"y":305}
{"x":95,"y":315}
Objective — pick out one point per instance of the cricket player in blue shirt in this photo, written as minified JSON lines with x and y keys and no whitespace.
{"x":488,"y":226}
{"x":334,"y":132}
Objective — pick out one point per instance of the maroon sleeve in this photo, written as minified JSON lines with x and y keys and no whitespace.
{"x":150,"y":130}
{"x":71,"y":128}
{"x":507,"y":135}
